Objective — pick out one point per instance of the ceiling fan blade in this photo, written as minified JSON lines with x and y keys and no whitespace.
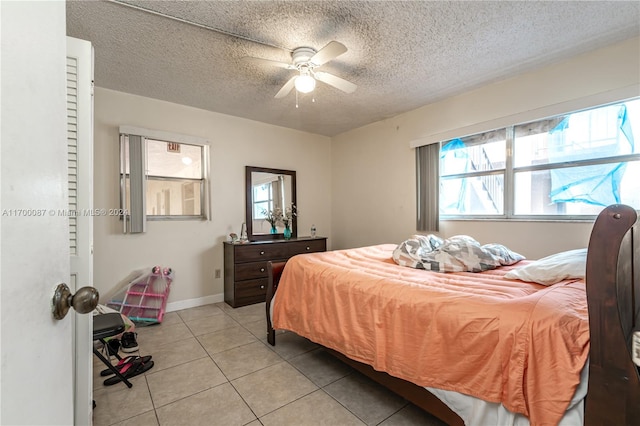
{"x":327,"y":53}
{"x":286,"y":88}
{"x":269,"y":62}
{"x":337,"y":82}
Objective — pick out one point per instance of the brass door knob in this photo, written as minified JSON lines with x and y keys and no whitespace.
{"x":84,"y":301}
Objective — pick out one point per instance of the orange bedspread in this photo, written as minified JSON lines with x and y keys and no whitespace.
{"x":511,"y":342}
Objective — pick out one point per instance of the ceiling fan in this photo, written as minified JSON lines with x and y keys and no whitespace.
{"x":305,"y":61}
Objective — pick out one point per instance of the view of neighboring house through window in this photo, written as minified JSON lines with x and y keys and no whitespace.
{"x":174,"y":179}
{"x":570,"y":166}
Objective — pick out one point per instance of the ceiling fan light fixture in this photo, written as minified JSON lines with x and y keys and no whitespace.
{"x":305,"y":61}
{"x":305,"y":83}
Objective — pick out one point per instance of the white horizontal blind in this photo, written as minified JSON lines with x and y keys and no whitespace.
{"x":72,"y":149}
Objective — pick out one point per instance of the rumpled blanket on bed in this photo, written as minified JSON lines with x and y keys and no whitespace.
{"x":460,"y":253}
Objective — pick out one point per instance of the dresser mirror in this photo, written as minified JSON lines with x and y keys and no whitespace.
{"x":266,"y":190}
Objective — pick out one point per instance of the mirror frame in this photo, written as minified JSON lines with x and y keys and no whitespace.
{"x":249,"y":203}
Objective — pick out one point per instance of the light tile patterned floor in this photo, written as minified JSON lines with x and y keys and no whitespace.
{"x":213,"y":366}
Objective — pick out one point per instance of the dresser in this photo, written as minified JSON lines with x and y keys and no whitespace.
{"x":245,"y":266}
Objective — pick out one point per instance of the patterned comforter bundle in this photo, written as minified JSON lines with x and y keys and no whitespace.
{"x":460,"y":253}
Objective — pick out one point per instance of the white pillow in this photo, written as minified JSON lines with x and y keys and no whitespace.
{"x":553,"y":269}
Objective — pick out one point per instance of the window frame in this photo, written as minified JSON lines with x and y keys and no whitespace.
{"x":166,"y":137}
{"x":509,"y":173}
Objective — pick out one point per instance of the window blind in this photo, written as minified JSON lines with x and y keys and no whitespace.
{"x":137,"y":182}
{"x":428,"y":187}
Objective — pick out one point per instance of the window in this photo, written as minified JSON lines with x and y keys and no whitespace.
{"x":175,"y":179}
{"x":162,"y":176}
{"x":565,"y":167}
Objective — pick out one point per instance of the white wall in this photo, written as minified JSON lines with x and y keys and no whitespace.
{"x":194,"y":248}
{"x":374,"y":188}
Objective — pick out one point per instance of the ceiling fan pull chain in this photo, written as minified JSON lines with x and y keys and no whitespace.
{"x":296,"y":99}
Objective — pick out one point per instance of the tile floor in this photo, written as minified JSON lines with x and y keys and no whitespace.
{"x":213,"y":366}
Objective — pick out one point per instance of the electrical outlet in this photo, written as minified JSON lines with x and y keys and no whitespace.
{"x":217,"y":273}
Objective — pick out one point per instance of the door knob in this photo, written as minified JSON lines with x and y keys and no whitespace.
{"x":84,"y":301}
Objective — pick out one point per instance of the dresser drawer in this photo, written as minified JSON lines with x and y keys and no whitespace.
{"x":301,"y":247}
{"x":258,"y":252}
{"x":250,"y":291}
{"x":250,"y":270}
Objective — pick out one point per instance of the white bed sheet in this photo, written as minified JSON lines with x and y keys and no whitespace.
{"x":475,"y":411}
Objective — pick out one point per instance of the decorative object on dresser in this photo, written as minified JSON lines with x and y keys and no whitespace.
{"x":245,"y":266}
{"x":243,"y":233}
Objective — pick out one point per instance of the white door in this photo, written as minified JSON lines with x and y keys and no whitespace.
{"x":80,"y":179}
{"x":36,"y":371}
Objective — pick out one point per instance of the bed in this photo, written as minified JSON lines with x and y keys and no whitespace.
{"x":577,"y":335}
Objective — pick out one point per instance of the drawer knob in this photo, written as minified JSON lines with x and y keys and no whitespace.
{"x":261,"y":269}
{"x":262,"y":286}
{"x":261,"y":253}
{"x":308,"y":248}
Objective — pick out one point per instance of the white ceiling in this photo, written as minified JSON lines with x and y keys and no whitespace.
{"x":402,"y":55}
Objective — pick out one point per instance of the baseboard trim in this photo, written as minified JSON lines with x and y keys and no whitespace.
{"x":194,"y":303}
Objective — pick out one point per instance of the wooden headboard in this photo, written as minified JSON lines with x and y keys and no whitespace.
{"x":613,"y":295}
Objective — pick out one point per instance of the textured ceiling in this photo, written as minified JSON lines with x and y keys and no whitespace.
{"x":402,"y":55}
